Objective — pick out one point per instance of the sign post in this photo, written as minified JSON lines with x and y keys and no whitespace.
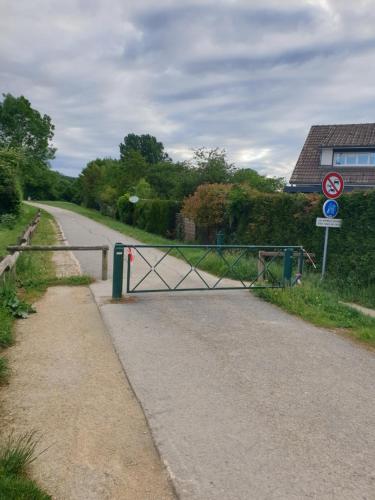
{"x":332,"y":186}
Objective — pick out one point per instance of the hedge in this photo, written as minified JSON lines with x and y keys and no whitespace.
{"x":155,"y":216}
{"x":10,"y":193}
{"x":289,"y":219}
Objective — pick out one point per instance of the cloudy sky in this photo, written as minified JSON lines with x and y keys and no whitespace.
{"x":248,"y":76}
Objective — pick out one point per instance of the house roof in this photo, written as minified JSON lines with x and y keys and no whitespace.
{"x":308,"y":169}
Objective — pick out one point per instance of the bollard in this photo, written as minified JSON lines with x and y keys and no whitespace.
{"x":287,"y":267}
{"x":118,"y":269}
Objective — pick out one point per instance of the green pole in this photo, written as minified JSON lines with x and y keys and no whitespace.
{"x":118,"y":269}
{"x":219,"y":241}
{"x":287,"y":268}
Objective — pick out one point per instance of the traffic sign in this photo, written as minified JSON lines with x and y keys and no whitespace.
{"x":323,"y":222}
{"x":330,"y":208}
{"x":333,"y":185}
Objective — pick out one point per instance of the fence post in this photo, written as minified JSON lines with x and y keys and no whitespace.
{"x":219,"y":241}
{"x":104,"y":264}
{"x":300,"y":261}
{"x":287,"y":268}
{"x":118,"y":269}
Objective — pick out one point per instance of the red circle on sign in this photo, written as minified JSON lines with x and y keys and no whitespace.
{"x":333,"y":185}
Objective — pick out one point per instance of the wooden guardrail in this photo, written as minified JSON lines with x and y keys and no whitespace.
{"x":9,"y":261}
{"x":55,"y":248}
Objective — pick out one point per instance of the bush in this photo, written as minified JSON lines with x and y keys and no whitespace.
{"x":155,"y":216}
{"x":10,"y":193}
{"x":8,"y":220}
{"x":125,"y":209}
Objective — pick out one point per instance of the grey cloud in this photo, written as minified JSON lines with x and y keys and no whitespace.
{"x":234,"y":74}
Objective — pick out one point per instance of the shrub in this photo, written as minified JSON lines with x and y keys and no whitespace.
{"x":156,"y":216}
{"x":10,"y":193}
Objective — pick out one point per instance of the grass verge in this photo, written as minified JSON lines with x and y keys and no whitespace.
{"x":16,"y":453}
{"x":315,"y":302}
{"x":10,"y":235}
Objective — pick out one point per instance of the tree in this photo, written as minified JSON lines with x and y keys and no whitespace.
{"x":23,"y":127}
{"x":256,"y":181}
{"x":212,"y":165}
{"x":147,"y":145}
{"x":10,"y":193}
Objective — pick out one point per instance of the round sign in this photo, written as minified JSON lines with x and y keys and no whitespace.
{"x":133,"y":199}
{"x":333,"y":185}
{"x":330,"y":209}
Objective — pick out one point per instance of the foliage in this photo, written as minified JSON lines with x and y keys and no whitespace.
{"x":146,"y":145}
{"x":10,"y":234}
{"x":16,"y":453}
{"x":208,"y":205}
{"x":23,"y":127}
{"x":10,"y":193}
{"x":156,"y":216}
{"x":143,"y":189}
{"x":12,"y":303}
{"x":20,"y":488}
{"x":250,"y":177}
{"x":8,"y":221}
{"x":212,"y":165}
{"x":4,"y":370}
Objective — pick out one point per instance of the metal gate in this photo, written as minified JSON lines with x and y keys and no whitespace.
{"x":240,"y":267}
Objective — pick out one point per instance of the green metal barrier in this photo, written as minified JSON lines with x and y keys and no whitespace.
{"x":241,"y":265}
{"x":118,"y":270}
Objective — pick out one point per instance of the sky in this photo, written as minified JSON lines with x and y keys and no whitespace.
{"x":248,"y":76}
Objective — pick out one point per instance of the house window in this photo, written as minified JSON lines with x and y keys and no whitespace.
{"x":356,"y":159}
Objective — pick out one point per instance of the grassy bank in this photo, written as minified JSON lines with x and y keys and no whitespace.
{"x":313,"y":301}
{"x":9,"y":234}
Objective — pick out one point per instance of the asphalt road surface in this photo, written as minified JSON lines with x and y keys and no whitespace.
{"x":243,"y":400}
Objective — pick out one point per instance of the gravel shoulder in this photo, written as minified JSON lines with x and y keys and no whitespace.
{"x":68,"y":384}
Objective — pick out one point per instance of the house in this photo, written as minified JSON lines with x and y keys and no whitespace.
{"x":347,"y":149}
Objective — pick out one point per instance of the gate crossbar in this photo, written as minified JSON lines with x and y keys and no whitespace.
{"x":231,"y":272}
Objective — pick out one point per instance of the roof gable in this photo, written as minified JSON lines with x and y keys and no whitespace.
{"x":308,"y":169}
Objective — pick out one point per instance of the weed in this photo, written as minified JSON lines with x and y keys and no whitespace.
{"x":16,"y":453}
{"x":10,"y":301}
{"x":4,"y":370}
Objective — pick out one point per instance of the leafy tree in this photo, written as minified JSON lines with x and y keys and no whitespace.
{"x":143,"y":189}
{"x":10,"y":193}
{"x":212,"y":165}
{"x":90,"y":180}
{"x":23,"y":127}
{"x":134,"y":167}
{"x":256,"y":181}
{"x":147,"y":145}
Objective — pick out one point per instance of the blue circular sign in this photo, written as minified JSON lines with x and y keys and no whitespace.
{"x":330,"y":208}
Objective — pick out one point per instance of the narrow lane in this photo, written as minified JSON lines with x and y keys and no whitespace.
{"x":244,"y":401}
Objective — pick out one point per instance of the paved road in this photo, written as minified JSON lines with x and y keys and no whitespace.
{"x":244,"y":401}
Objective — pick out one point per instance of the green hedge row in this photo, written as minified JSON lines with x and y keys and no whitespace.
{"x":283,"y":218}
{"x":155,"y":216}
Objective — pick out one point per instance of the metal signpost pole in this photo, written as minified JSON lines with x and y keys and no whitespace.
{"x":325,"y":253}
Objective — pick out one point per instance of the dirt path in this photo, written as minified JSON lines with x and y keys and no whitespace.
{"x":68,"y":383}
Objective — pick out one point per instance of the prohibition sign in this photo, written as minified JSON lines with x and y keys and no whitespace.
{"x":333,"y":185}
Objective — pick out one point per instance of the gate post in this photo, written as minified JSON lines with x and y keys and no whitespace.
{"x":219,"y":242}
{"x":118,"y":269}
{"x":287,"y":267}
